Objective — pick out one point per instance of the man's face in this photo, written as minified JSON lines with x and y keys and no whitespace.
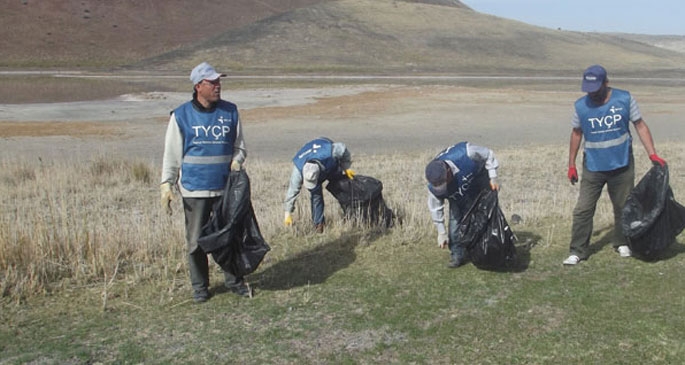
{"x":209,"y":90}
{"x":599,"y":96}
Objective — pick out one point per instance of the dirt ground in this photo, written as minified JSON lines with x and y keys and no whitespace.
{"x":370,"y":119}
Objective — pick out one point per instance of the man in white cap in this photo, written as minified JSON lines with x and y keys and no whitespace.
{"x":603,"y":118}
{"x":203,"y":142}
{"x":458,"y":173}
{"x":317,"y":161}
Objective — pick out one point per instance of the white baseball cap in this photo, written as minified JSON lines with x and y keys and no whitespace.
{"x":204,"y":71}
{"x":310,"y":174}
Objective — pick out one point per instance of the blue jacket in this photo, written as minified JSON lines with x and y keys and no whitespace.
{"x":208,"y":144}
{"x":606,"y":129}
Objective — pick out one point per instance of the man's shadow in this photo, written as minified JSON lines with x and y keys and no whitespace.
{"x":313,"y":266}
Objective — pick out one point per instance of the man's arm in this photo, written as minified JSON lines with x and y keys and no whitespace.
{"x":574,"y":146}
{"x":480,"y":153}
{"x":342,"y":154}
{"x":173,"y":152}
{"x":293,"y":190}
{"x":437,"y":210}
{"x":645,"y":136}
{"x":239,"y":149}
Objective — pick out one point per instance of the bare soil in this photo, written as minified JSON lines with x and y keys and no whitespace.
{"x":370,"y":119}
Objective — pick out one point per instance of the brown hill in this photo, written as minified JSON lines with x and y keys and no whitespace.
{"x":299,"y":36}
{"x":93,"y":33}
{"x":396,"y":36}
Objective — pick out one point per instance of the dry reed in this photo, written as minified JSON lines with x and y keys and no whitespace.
{"x":86,"y":223}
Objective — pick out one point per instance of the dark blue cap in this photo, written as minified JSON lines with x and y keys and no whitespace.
{"x":593,"y":78}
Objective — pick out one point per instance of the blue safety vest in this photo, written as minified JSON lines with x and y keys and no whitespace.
{"x":469,"y":181}
{"x":606,"y":130}
{"x":207,"y":144}
{"x":321,"y":151}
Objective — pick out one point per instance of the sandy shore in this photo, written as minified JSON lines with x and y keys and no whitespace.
{"x":370,"y":119}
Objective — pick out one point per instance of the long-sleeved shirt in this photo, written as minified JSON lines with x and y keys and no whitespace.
{"x":340,"y":153}
{"x":476,"y":153}
{"x":173,"y":158}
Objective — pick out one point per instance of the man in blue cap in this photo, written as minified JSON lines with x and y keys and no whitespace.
{"x":603,"y":118}
{"x":458,"y":173}
{"x":203,"y":143}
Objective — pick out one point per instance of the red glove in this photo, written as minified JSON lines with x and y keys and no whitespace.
{"x":657,"y":160}
{"x":572,"y":175}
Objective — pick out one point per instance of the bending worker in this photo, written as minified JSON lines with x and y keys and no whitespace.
{"x":317,"y":161}
{"x":458,"y":174}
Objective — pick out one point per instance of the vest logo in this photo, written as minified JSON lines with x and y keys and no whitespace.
{"x":615,"y":110}
{"x":463,"y":186}
{"x":215,"y":131}
{"x":223,"y":120}
{"x":314,"y":149}
{"x":607,"y":121}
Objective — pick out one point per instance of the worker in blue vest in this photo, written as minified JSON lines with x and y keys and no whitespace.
{"x":458,"y":174}
{"x":603,"y":118}
{"x":203,"y":143}
{"x":317,"y":161}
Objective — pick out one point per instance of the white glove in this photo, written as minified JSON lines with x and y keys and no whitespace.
{"x":235,"y":166}
{"x":166,"y":197}
{"x":442,"y":239}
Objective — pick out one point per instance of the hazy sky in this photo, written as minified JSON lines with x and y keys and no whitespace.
{"x":626,"y":16}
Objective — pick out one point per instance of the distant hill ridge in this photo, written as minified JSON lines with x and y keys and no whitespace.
{"x":305,"y":36}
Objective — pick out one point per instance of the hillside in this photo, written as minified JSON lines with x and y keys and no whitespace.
{"x":310,"y":36}
{"x":394,"y":36}
{"x":102,"y":33}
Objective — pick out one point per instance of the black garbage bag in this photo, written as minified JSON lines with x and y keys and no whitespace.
{"x":486,"y":235}
{"x":232,"y":235}
{"x":651,"y":218}
{"x":362,"y":200}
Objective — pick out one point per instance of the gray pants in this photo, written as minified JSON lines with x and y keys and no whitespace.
{"x":619,"y":183}
{"x":197,"y":213}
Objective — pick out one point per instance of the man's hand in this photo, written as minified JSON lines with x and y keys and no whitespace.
{"x":494,"y":185}
{"x":442,"y":240}
{"x":349,"y":173}
{"x":288,"y":220}
{"x":235,"y":166}
{"x":166,"y":197}
{"x":657,"y":160}
{"x":572,"y":175}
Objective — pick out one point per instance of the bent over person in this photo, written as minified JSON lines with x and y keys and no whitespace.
{"x":603,"y":118}
{"x":203,"y":142}
{"x":317,"y":161}
{"x":459,"y":173}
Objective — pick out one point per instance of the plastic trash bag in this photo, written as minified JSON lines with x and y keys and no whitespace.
{"x":232,"y":235}
{"x":486,"y":235}
{"x":651,"y":218}
{"x":361,"y":200}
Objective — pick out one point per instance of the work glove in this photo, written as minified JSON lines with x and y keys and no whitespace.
{"x":235,"y":166}
{"x":442,"y":239}
{"x":349,"y":173}
{"x":572,"y":175}
{"x":657,"y":160}
{"x":288,"y":220}
{"x":166,"y":197}
{"x":494,"y":185}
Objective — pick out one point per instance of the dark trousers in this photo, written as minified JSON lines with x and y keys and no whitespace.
{"x":197,"y":213}
{"x":619,"y":183}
